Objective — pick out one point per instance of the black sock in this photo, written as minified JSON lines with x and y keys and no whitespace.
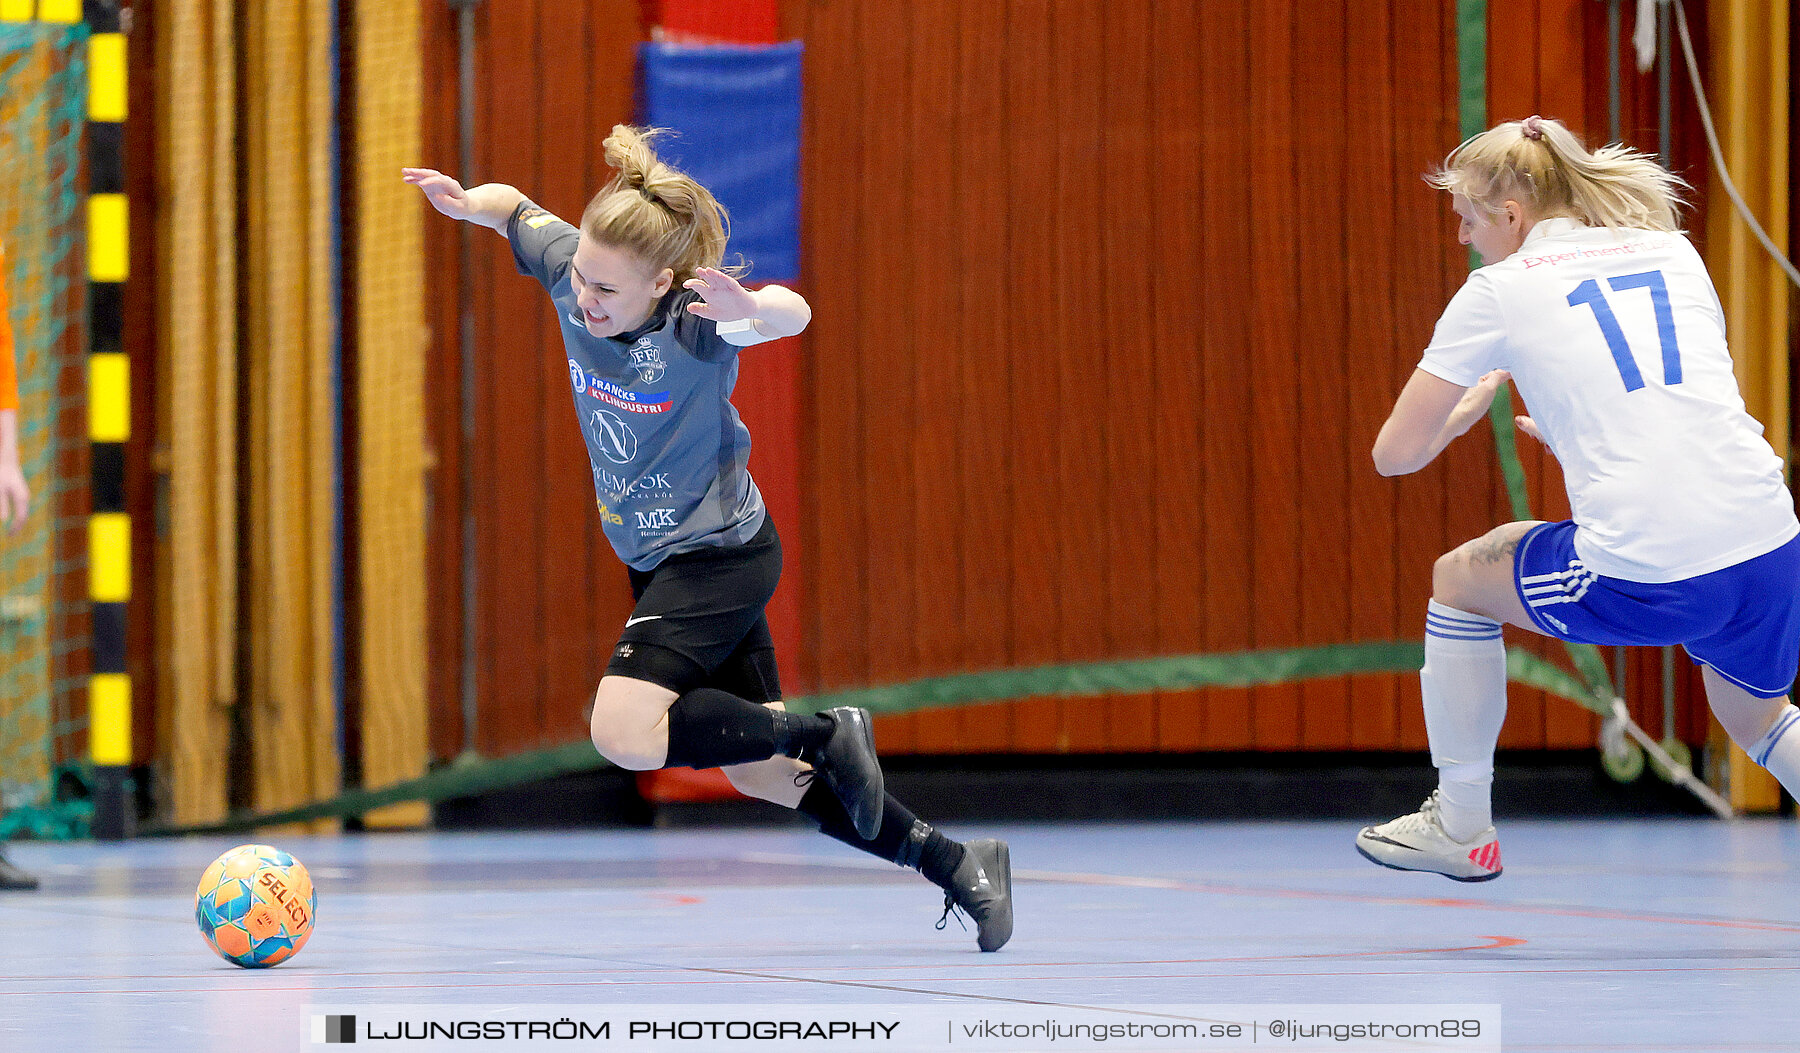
{"x":709,"y":728}
{"x":799,"y":734}
{"x":904,"y":838}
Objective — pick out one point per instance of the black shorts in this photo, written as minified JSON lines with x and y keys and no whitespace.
{"x":700,"y":621}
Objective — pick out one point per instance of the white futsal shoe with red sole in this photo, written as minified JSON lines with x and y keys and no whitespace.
{"x":1418,"y":842}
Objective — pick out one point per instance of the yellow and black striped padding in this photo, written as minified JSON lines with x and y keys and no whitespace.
{"x":109,"y":414}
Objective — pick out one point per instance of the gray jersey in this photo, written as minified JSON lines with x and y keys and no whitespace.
{"x":670,"y":456}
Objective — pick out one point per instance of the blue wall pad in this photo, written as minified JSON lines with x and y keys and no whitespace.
{"x":737,"y":109}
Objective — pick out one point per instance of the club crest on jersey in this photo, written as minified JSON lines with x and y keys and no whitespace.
{"x":647,"y":359}
{"x":577,"y":376}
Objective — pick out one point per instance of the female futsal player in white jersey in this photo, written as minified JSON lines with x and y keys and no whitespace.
{"x":1593,"y":303}
{"x":652,"y":327}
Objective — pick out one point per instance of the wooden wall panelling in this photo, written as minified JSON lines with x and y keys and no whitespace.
{"x":443,"y":403}
{"x":1325,"y":451}
{"x":1132,"y":382}
{"x":1175,"y":201}
{"x":1226,"y":358}
{"x":1276,"y":542}
{"x":1040,"y":494}
{"x":991,"y":215}
{"x":144,"y":148}
{"x":1084,"y":356}
{"x":891,"y":348}
{"x":985,"y":447}
{"x":551,"y":82}
{"x":568,"y":633}
{"x":1428,"y":267}
{"x":1374,"y":356}
{"x":935,"y":302}
{"x":838,"y":347}
{"x":510,"y":403}
{"x":554,"y":596}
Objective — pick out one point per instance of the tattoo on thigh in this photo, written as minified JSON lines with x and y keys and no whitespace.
{"x":1488,"y":550}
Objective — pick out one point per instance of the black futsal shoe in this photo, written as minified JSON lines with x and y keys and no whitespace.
{"x":851,"y":769}
{"x":11,"y":877}
{"x":982,"y":889}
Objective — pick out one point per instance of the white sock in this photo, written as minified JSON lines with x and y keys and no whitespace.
{"x":1779,"y":749}
{"x":1464,"y":688}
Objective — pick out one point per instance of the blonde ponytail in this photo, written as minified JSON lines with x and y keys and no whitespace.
{"x":654,"y":211}
{"x":1541,"y":164}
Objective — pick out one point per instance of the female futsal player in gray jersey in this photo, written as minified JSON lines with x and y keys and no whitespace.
{"x":1683,"y":532}
{"x":652,"y":328}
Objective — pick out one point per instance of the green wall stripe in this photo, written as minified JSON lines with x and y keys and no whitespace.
{"x":1471,"y":65}
{"x":1506,"y":445}
{"x":465,"y":778}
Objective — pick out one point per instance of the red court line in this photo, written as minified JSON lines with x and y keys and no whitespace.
{"x":1599,"y":913}
{"x":1492,"y":943}
{"x":1064,"y":877}
{"x":729,"y":976}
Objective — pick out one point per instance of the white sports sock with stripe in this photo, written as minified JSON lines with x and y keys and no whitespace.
{"x":1779,"y":749}
{"x":1464,"y":688}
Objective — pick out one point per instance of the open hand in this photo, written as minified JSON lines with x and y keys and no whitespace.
{"x":15,"y":498}
{"x":445,"y":194}
{"x":722,"y":298}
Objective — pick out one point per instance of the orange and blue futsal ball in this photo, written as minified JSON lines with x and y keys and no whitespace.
{"x":255,"y":906}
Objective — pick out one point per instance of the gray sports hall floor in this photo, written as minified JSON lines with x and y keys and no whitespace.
{"x":1645,"y":935}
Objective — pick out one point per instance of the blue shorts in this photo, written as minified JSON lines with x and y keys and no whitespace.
{"x":1743,"y":621}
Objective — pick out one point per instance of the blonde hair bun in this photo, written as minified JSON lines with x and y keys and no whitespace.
{"x":1541,"y":164}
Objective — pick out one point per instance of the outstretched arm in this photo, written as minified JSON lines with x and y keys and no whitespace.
{"x":1429,"y":413}
{"x":490,"y":204}
{"x":774,"y":311}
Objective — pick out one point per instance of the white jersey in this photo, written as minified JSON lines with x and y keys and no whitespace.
{"x":1616,"y":341}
